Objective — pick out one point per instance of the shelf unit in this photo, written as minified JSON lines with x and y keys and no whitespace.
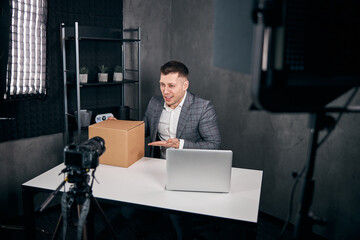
{"x":131,"y":76}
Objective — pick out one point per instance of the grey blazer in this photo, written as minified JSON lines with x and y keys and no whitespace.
{"x":197,"y":123}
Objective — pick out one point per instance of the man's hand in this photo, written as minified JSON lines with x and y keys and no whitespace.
{"x":171,"y":143}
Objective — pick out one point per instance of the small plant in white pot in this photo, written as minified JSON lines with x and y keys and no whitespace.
{"x":103,"y":75}
{"x":84,"y":75}
{"x":118,"y":76}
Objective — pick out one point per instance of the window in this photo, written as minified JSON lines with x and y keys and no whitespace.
{"x":26,"y":68}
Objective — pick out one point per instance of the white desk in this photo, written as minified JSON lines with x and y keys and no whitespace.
{"x":143,"y":183}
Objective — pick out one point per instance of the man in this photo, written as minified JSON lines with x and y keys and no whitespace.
{"x":179,"y":119}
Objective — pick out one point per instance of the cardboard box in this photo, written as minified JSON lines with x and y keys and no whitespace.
{"x":124,"y":141}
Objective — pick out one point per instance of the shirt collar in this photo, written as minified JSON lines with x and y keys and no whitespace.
{"x":178,"y":106}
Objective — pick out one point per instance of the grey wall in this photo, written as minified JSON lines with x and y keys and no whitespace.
{"x":153,"y":17}
{"x":275,"y":143}
{"x":20,"y":161}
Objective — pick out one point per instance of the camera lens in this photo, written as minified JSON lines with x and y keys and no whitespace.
{"x":97,"y":144}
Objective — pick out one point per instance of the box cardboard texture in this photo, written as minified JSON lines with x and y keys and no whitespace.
{"x":124,"y":141}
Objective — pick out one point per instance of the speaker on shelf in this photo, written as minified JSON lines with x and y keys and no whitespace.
{"x":124,"y":113}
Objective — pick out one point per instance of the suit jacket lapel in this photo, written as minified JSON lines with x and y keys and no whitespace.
{"x":185,"y":114}
{"x":157,"y":113}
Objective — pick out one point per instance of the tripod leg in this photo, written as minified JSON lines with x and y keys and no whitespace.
{"x":66,"y":204}
{"x":64,"y":212}
{"x":82,"y":218}
{"x":104,"y":216}
{"x":51,"y":197}
{"x":57,"y":228}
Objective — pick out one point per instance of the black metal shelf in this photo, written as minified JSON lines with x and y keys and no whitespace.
{"x":104,"y":83}
{"x":132,"y":70}
{"x":97,"y":33}
{"x":76,"y":33}
{"x":104,"y":39}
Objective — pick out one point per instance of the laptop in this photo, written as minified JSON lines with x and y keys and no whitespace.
{"x":198,"y":170}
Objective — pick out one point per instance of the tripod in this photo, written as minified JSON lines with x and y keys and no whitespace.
{"x":79,"y":193}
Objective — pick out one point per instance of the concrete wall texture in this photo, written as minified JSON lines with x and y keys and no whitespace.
{"x":21,"y":161}
{"x":275,"y":143}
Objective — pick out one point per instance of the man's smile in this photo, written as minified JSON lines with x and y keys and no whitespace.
{"x":167,"y":98}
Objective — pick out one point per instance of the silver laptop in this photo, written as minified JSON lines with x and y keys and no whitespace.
{"x":198,"y":170}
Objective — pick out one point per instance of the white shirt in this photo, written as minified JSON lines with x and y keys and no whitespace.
{"x":168,"y":125}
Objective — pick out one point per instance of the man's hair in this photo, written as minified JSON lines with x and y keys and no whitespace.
{"x":175,"y":67}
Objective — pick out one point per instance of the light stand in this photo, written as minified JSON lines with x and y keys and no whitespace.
{"x":279,"y":88}
{"x":318,"y":121}
{"x":304,"y":222}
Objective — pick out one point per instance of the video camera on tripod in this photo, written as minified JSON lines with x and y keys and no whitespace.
{"x":79,"y":159}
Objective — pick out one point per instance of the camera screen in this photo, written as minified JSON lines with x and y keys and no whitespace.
{"x":73,"y":158}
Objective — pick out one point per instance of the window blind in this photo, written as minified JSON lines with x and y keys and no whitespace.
{"x":26,"y":68}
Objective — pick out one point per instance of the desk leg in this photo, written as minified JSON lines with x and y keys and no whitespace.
{"x":251,"y":231}
{"x":29,"y":215}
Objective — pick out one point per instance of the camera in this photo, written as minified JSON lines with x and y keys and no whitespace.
{"x":85,"y":155}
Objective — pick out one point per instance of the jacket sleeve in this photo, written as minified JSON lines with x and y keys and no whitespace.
{"x":208,"y":130}
{"x":146,"y":119}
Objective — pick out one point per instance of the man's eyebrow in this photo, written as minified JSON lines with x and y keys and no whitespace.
{"x":170,"y":83}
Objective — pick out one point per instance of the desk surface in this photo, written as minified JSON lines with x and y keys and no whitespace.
{"x":143,"y":183}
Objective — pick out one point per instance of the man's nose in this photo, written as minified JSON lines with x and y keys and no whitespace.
{"x":166,"y":89}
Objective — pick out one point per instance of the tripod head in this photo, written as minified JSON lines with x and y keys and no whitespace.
{"x":80,"y":188}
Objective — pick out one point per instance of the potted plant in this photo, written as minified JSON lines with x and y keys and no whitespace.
{"x":118,"y":76}
{"x":103,"y":75}
{"x":84,"y":75}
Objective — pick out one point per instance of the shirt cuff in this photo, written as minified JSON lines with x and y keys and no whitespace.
{"x":181,"y":146}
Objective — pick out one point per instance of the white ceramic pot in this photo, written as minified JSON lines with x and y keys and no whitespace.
{"x":103,"y":77}
{"x":83,"y":78}
{"x":117,"y":77}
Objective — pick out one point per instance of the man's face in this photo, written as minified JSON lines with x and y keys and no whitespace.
{"x":173,"y":88}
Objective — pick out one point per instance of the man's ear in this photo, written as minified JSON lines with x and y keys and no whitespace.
{"x":186,"y":85}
